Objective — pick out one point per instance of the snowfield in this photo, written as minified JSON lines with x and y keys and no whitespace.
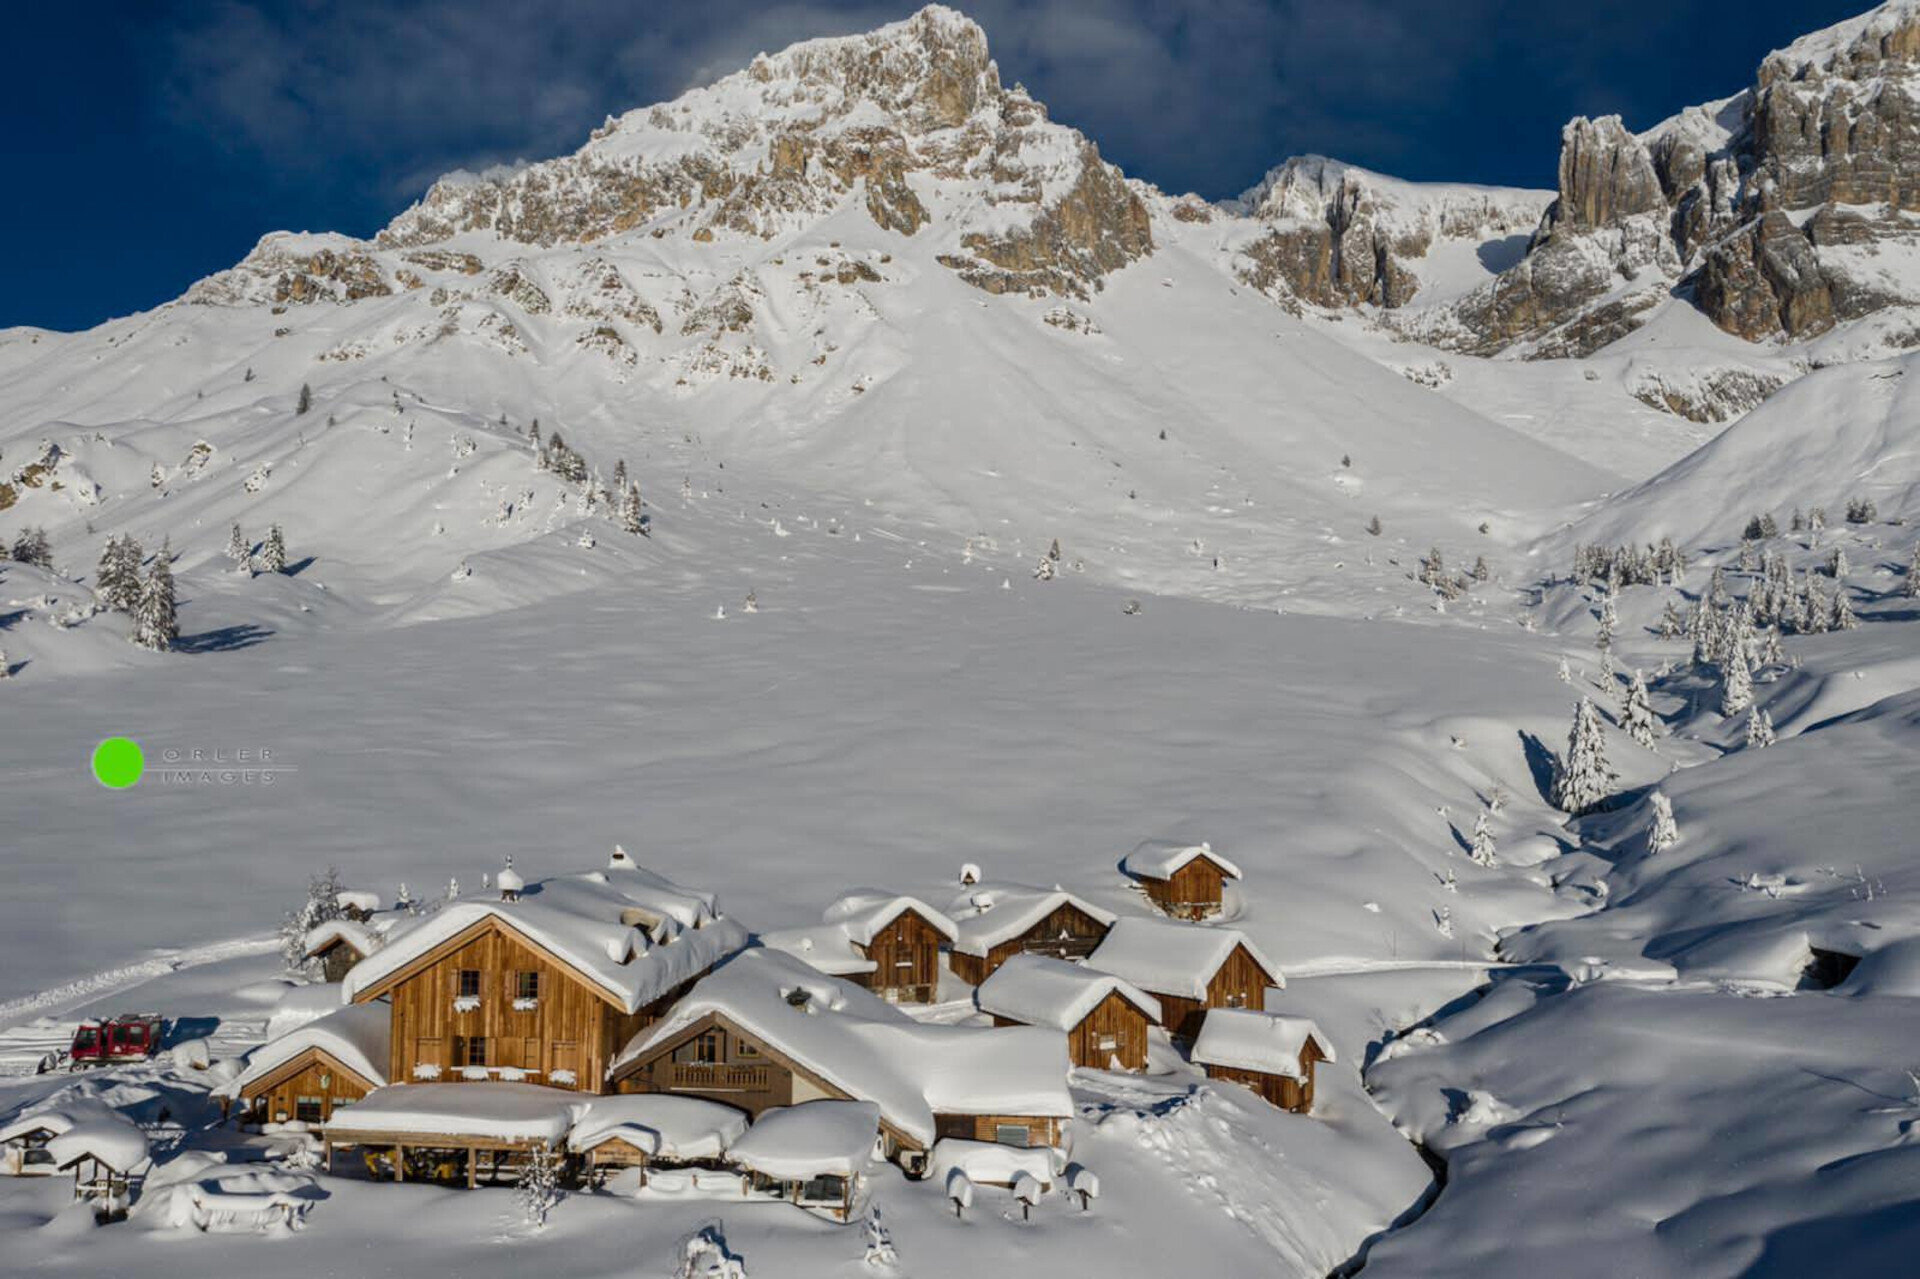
{"x":845,"y":655}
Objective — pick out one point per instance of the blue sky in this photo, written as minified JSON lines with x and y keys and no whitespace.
{"x":154,"y":142}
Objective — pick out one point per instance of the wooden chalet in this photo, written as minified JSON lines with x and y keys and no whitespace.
{"x":1104,"y":1018}
{"x":1273,"y":1055}
{"x":766,"y":1030}
{"x":1187,"y":881}
{"x":887,"y":943}
{"x":997,"y":921}
{"x":308,"y":1073}
{"x":1189,"y":968}
{"x":543,"y":988}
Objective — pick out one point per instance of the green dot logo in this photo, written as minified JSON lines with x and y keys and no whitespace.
{"x":118,"y":762}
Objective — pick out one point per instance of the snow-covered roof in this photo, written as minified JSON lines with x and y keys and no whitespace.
{"x":55,"y":1119}
{"x":357,"y":899}
{"x":1161,"y":858}
{"x":112,"y":1140}
{"x":364,"y":938}
{"x":659,"y":1126}
{"x":988,"y":1162}
{"x":865,"y":911}
{"x":1170,"y":958}
{"x":355,"y":1035}
{"x":851,"y":922}
{"x":503,"y":1111}
{"x":812,"y":1139}
{"x":870,"y":1050}
{"x":592,"y":923}
{"x":987,"y":914}
{"x":299,"y":1005}
{"x":1247,"y":1040}
{"x":1042,"y":991}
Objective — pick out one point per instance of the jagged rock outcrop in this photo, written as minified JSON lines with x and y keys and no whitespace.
{"x":297,"y":270}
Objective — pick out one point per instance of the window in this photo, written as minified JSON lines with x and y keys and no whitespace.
{"x":469,"y":1050}
{"x":469,"y":983}
{"x":741,"y":1048}
{"x":1237,"y":999}
{"x":1109,"y":1043}
{"x":310,"y":1110}
{"x":526,"y":985}
{"x":1012,"y":1134}
{"x":706,"y":1049}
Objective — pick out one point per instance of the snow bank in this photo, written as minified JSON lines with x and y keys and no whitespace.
{"x":987,"y":1163}
{"x":815,"y":1138}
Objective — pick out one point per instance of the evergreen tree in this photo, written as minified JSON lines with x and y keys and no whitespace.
{"x":1813,"y":607}
{"x":1837,"y":566}
{"x":631,"y":514}
{"x":1672,"y":626}
{"x":1759,"y":729}
{"x":1636,"y":712}
{"x":1736,"y":681}
{"x":273,"y":554}
{"x":306,"y":399}
{"x":537,"y":1189}
{"x":1609,"y":618}
{"x":32,"y":547}
{"x":1662,"y":834}
{"x":156,"y":624}
{"x":1584,"y":777}
{"x":321,"y":906}
{"x":117,"y":582}
{"x":1913,"y":573}
{"x":1717,"y":587}
{"x":239,"y":552}
{"x":1842,"y":618}
{"x":1480,"y":570}
{"x":6,"y":667}
{"x":1482,"y":851}
{"x":620,"y":475}
{"x":1374,"y":526}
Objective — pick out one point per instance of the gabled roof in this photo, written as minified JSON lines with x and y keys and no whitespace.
{"x":659,"y":1126}
{"x":987,"y":914}
{"x":812,"y":1139}
{"x":364,"y":939}
{"x":851,"y":923}
{"x":823,"y":946}
{"x":861,"y":1046}
{"x":1161,"y":859}
{"x":57,"y":1119}
{"x":1244,"y":1039}
{"x":1169,"y":958}
{"x":1042,"y":991}
{"x":355,"y":1035}
{"x":110,"y":1139}
{"x":503,"y":1111}
{"x":581,"y":922}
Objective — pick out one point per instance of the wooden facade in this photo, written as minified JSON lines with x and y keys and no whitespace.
{"x":906,"y":957}
{"x":1007,"y":1130}
{"x":1288,"y":1094}
{"x":308,"y":1088}
{"x":1117,"y":1027}
{"x":487,"y":1003}
{"x":1195,"y":891}
{"x":1239,"y":982}
{"x":1067,"y":932}
{"x":717,"y":1061}
{"x":336,"y":957}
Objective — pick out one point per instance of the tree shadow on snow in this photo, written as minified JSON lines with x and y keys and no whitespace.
{"x":1540,"y":763}
{"x":181,"y":1030}
{"x":298,"y":567}
{"x":226,"y":639}
{"x":1878,"y":1241}
{"x":8,"y":619}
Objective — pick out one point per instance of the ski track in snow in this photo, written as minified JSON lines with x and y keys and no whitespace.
{"x":72,"y":994}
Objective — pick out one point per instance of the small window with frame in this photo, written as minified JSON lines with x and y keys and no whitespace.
{"x":526,"y":986}
{"x":310,"y":1110}
{"x":467,"y":983}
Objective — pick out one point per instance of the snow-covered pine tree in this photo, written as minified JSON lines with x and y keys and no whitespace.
{"x":274,"y":553}
{"x":1433,"y":568}
{"x":32,"y":547}
{"x":1482,"y":850}
{"x":1053,"y":552}
{"x":1736,"y":681}
{"x":1717,"y":587}
{"x":1565,"y":673}
{"x":537,"y":1189}
{"x":1837,"y":565}
{"x":1043,"y":572}
{"x":1770,"y":654}
{"x":1662,"y":834}
{"x":239,"y":552}
{"x":1842,"y":618}
{"x":1759,"y":728}
{"x":1583,"y":777}
{"x":6,"y":667}
{"x":1636,"y":712}
{"x":306,"y":399}
{"x":620,"y":475}
{"x":631,"y":519}
{"x":1374,"y":526}
{"x":322,"y":904}
{"x":156,"y":624}
{"x":1480,"y":571}
{"x":1813,"y":606}
{"x":1913,"y":573}
{"x":1672,"y":625}
{"x":118,"y":580}
{"x":1609,"y":619}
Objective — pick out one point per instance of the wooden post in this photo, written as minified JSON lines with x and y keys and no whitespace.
{"x":329,"y":1145}
{"x":473,"y":1167}
{"x":399,"y":1163}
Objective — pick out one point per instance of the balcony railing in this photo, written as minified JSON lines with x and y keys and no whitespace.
{"x":715,"y":1077}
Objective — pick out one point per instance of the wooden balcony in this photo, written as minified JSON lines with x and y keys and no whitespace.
{"x":716,"y":1077}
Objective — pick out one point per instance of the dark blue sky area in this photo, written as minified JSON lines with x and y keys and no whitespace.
{"x":154,"y":142}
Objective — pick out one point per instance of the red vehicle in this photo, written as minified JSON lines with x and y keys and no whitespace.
{"x":128,"y":1037}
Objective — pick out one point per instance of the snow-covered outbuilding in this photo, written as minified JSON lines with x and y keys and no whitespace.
{"x":884,"y":941}
{"x":766,"y":1030}
{"x":994,"y":921}
{"x":1104,"y":1017}
{"x":1269,"y":1053}
{"x":305,"y":1074}
{"x":1187,"y":881}
{"x":24,"y":1138}
{"x":103,"y":1152}
{"x":651,"y":1130}
{"x":1188,"y":967}
{"x":451,"y":1129}
{"x":545,"y":987}
{"x":813,"y":1155}
{"x":341,"y":943}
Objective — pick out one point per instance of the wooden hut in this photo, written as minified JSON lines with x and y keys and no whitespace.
{"x":649,"y":1131}
{"x":339,"y":944}
{"x":308,"y":1073}
{"x":1187,"y":881}
{"x":888,"y":943}
{"x":104,"y":1155}
{"x":1189,"y":968}
{"x":997,"y":921}
{"x":1104,"y":1018}
{"x":1273,"y":1055}
{"x":813,"y":1155}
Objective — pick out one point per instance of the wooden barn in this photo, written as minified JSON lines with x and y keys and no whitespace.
{"x":1104,"y":1018}
{"x":1273,"y":1055}
{"x":887,"y":943}
{"x":1189,"y":968}
{"x":1187,"y":881}
{"x":543,"y":988}
{"x":997,"y":921}
{"x":339,"y":944}
{"x":766,"y":1030}
{"x":305,"y":1075}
